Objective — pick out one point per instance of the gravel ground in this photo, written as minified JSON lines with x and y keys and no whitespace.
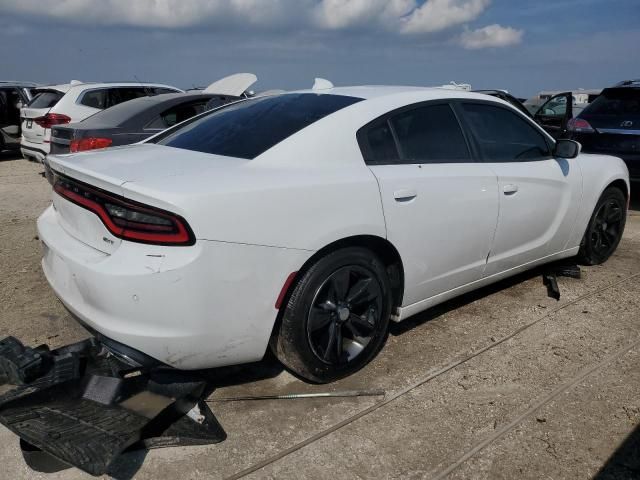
{"x":500,"y":384}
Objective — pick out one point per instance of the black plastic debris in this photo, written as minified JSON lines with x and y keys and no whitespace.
{"x":81,"y":406}
{"x":549,"y":277}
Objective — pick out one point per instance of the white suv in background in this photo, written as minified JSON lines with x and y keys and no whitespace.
{"x":73,"y":102}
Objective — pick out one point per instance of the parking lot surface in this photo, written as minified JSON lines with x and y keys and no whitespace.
{"x":500,"y":384}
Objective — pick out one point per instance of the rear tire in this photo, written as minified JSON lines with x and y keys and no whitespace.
{"x":605,"y":229}
{"x":337,"y":318}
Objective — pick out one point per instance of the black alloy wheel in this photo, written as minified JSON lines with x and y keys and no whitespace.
{"x":605,"y":227}
{"x":337,"y":316}
{"x":344,"y":314}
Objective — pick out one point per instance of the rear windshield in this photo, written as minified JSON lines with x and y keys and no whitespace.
{"x":45,"y":99}
{"x":618,"y":101}
{"x":251,"y":127}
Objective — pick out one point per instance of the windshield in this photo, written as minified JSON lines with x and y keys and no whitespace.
{"x":251,"y":127}
{"x":616,"y":101}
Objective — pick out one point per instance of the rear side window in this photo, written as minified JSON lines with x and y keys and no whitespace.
{"x":124,"y":94}
{"x":95,"y":99}
{"x":251,"y":127}
{"x":377,"y":144}
{"x":45,"y":99}
{"x":621,"y":101}
{"x":177,"y":114}
{"x":430,"y":134}
{"x":503,"y":136}
{"x":162,"y":90}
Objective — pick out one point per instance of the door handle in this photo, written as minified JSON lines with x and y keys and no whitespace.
{"x":510,"y":189}
{"x":405,"y":195}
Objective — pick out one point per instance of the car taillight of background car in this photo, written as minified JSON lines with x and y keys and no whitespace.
{"x":90,"y":143}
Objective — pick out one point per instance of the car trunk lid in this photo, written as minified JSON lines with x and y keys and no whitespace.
{"x":113,"y":169}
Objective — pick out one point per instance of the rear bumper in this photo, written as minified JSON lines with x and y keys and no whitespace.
{"x":203,"y":306}
{"x":36,"y":151}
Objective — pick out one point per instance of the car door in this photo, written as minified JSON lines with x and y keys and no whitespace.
{"x":555,"y":113}
{"x":440,"y":205}
{"x":10,"y":103}
{"x":539,"y":194}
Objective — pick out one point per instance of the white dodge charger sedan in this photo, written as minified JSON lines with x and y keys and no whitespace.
{"x":308,"y":221}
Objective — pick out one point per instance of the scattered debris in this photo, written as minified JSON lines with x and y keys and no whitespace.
{"x":295,"y":396}
{"x":551,"y":282}
{"x":82,"y":406}
{"x":549,"y":277}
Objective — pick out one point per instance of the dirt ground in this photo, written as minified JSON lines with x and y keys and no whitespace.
{"x":505,"y":383}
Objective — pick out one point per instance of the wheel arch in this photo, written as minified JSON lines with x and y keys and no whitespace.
{"x":620,"y":184}
{"x":382,"y":247}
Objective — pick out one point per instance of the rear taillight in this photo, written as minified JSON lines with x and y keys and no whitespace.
{"x":126,"y":219}
{"x":579,"y":125}
{"x":91,"y":143}
{"x":50,"y":119}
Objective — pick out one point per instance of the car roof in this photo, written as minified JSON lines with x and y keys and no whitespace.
{"x":628,"y":84}
{"x":123,"y":112}
{"x":370,"y":92}
{"x":90,"y":85}
{"x":13,"y":83}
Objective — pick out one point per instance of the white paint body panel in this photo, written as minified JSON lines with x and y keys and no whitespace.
{"x":257,"y":221}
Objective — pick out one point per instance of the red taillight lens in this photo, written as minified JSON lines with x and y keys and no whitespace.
{"x":50,"y":119}
{"x":125,"y":219}
{"x":90,"y":143}
{"x":579,"y":125}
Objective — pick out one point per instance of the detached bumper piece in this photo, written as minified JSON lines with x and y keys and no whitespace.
{"x":82,"y":406}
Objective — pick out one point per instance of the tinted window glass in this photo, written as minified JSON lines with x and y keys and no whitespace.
{"x":45,"y":99}
{"x":161,"y":90}
{"x":622,"y":101}
{"x":95,"y":99}
{"x":430,"y":134}
{"x":177,"y":114}
{"x":249,"y":128}
{"x":377,"y":144}
{"x":503,"y":136}
{"x":124,"y":94}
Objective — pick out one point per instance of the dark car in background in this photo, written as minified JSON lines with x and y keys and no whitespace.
{"x":611,"y":125}
{"x":13,"y":96}
{"x":554,"y":115}
{"x":133,"y":121}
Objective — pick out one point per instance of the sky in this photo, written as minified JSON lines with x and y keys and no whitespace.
{"x":524,"y":46}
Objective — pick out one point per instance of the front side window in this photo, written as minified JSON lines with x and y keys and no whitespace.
{"x":249,"y":128}
{"x":504,"y":136}
{"x":430,"y":134}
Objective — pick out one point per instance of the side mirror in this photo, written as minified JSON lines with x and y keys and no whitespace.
{"x":19,"y":105}
{"x":567,"y":149}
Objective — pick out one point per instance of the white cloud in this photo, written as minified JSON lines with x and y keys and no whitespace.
{"x":339,"y":14}
{"x":415,"y":17}
{"x":491,"y":36}
{"x":437,"y":15}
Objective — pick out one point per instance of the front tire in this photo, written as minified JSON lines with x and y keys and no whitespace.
{"x":605,"y":228}
{"x":337,"y":318}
